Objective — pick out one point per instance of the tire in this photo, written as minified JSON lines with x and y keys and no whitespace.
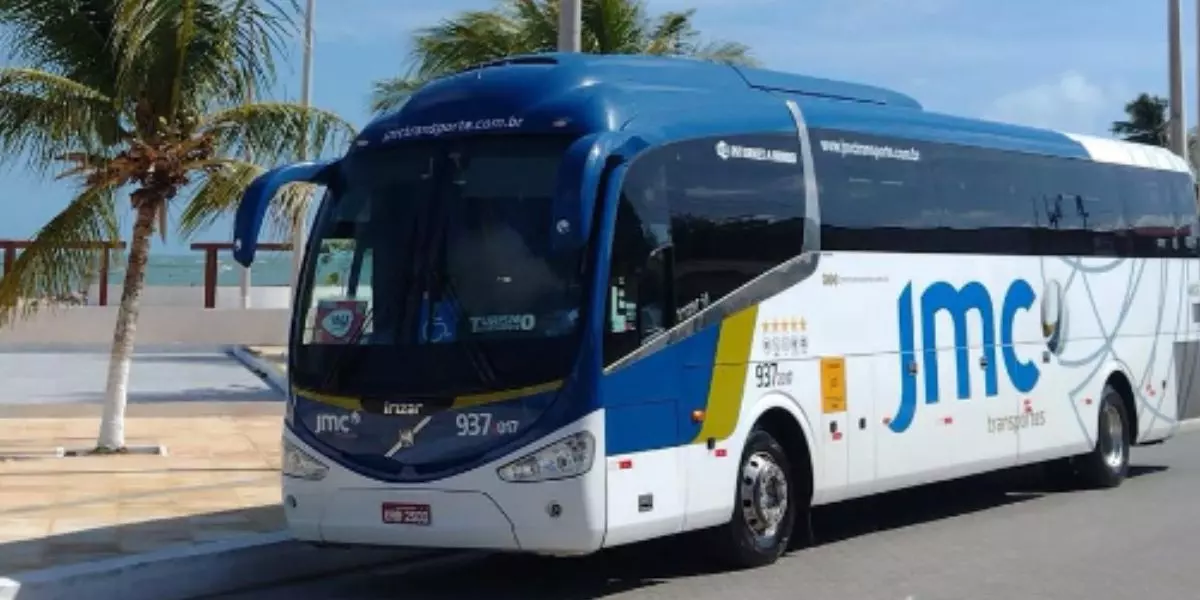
{"x":748,"y":540}
{"x":1107,"y":465}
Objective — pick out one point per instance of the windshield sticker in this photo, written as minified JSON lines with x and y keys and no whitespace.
{"x":337,"y":320}
{"x":436,"y":129}
{"x":442,"y":327}
{"x":623,"y":315}
{"x":726,"y":151}
{"x":502,"y":323}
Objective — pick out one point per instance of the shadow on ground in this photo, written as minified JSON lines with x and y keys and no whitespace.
{"x":653,"y":563}
{"x":115,"y":541}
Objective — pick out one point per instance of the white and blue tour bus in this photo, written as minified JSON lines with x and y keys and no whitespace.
{"x":559,"y":303}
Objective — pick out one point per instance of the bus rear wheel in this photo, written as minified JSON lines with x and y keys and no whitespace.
{"x":1107,"y":465}
{"x":764,"y":510}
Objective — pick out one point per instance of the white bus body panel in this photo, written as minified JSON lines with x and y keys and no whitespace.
{"x":1117,"y":316}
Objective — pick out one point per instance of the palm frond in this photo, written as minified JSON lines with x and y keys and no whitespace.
{"x":70,"y":37}
{"x":537,"y":21}
{"x":274,"y":132}
{"x":530,"y":26}
{"x":469,"y":39}
{"x":390,"y":94}
{"x":670,"y":33}
{"x":611,"y":26}
{"x":255,"y":30}
{"x":43,"y":115}
{"x":291,"y":204}
{"x":734,"y":53}
{"x":58,"y":260}
{"x":221,"y":190}
{"x":183,"y":58}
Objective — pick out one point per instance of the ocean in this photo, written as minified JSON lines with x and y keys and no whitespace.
{"x":187,"y":270}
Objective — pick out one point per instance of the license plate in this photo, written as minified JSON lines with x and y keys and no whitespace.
{"x":406,"y":514}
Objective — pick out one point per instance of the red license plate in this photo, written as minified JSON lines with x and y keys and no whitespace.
{"x":406,"y":514}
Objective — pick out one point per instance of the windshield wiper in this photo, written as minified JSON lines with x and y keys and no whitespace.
{"x":434,"y":270}
{"x":475,"y":353}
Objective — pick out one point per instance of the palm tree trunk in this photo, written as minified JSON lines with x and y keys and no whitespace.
{"x":112,"y":424}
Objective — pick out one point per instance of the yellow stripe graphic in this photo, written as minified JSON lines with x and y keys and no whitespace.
{"x":345,"y":402}
{"x":501,"y":396}
{"x":729,"y":375}
{"x":353,"y":403}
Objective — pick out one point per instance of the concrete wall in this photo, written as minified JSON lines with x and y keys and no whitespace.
{"x":186,"y":296}
{"x":156,"y":325}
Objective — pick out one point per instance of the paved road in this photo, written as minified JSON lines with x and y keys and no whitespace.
{"x":1000,"y":538}
{"x":58,"y":376}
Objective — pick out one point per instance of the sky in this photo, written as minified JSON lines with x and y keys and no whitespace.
{"x":1069,"y":65}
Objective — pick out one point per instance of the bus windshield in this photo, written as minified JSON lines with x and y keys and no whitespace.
{"x":432,"y":273}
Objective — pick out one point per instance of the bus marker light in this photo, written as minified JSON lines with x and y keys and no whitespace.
{"x":837,"y":436}
{"x":721,"y":453}
{"x":948,"y":420}
{"x":697,"y":416}
{"x":625,"y":463}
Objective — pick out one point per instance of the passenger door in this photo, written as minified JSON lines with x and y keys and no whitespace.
{"x":640,"y":389}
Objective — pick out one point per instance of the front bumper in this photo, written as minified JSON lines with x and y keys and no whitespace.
{"x":473,"y":510}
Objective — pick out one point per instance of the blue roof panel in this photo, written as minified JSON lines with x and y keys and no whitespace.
{"x":667,"y":98}
{"x":827,"y":88}
{"x":938,"y":128}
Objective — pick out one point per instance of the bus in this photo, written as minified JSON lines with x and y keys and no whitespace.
{"x":558,"y":303}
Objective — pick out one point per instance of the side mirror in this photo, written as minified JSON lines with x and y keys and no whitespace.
{"x":247,"y":223}
{"x":579,"y":178}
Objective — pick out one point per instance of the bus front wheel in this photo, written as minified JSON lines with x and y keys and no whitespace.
{"x":765,"y":508}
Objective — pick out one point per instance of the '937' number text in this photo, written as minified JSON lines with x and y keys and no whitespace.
{"x":768,"y":375}
{"x":480,"y":424}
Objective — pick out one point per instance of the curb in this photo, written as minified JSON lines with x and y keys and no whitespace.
{"x":260,"y":367}
{"x":195,"y":571}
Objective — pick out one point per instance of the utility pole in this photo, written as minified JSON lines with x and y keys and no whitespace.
{"x":1177,"y":131}
{"x":244,"y":283}
{"x":570,"y":15}
{"x":306,"y":102}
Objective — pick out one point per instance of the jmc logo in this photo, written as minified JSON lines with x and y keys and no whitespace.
{"x":327,"y":423}
{"x":942,"y":296}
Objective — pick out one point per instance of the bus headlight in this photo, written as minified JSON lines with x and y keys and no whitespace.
{"x":568,"y":457}
{"x":300,"y":464}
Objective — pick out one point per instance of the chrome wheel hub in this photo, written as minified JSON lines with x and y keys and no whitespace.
{"x":764,"y":488}
{"x":1112,"y":437}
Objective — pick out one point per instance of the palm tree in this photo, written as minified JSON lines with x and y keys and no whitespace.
{"x":145,"y":97}
{"x":530,"y":26}
{"x":1147,"y":122}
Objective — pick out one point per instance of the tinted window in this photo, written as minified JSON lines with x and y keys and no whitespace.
{"x":737,"y":210}
{"x":887,"y":194}
{"x":987,"y":202}
{"x":870,"y":203}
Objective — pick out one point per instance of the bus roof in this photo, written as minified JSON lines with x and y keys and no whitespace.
{"x":669,"y":98}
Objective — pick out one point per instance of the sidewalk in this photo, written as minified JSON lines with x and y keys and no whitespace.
{"x":275,"y":355}
{"x":219,"y":480}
